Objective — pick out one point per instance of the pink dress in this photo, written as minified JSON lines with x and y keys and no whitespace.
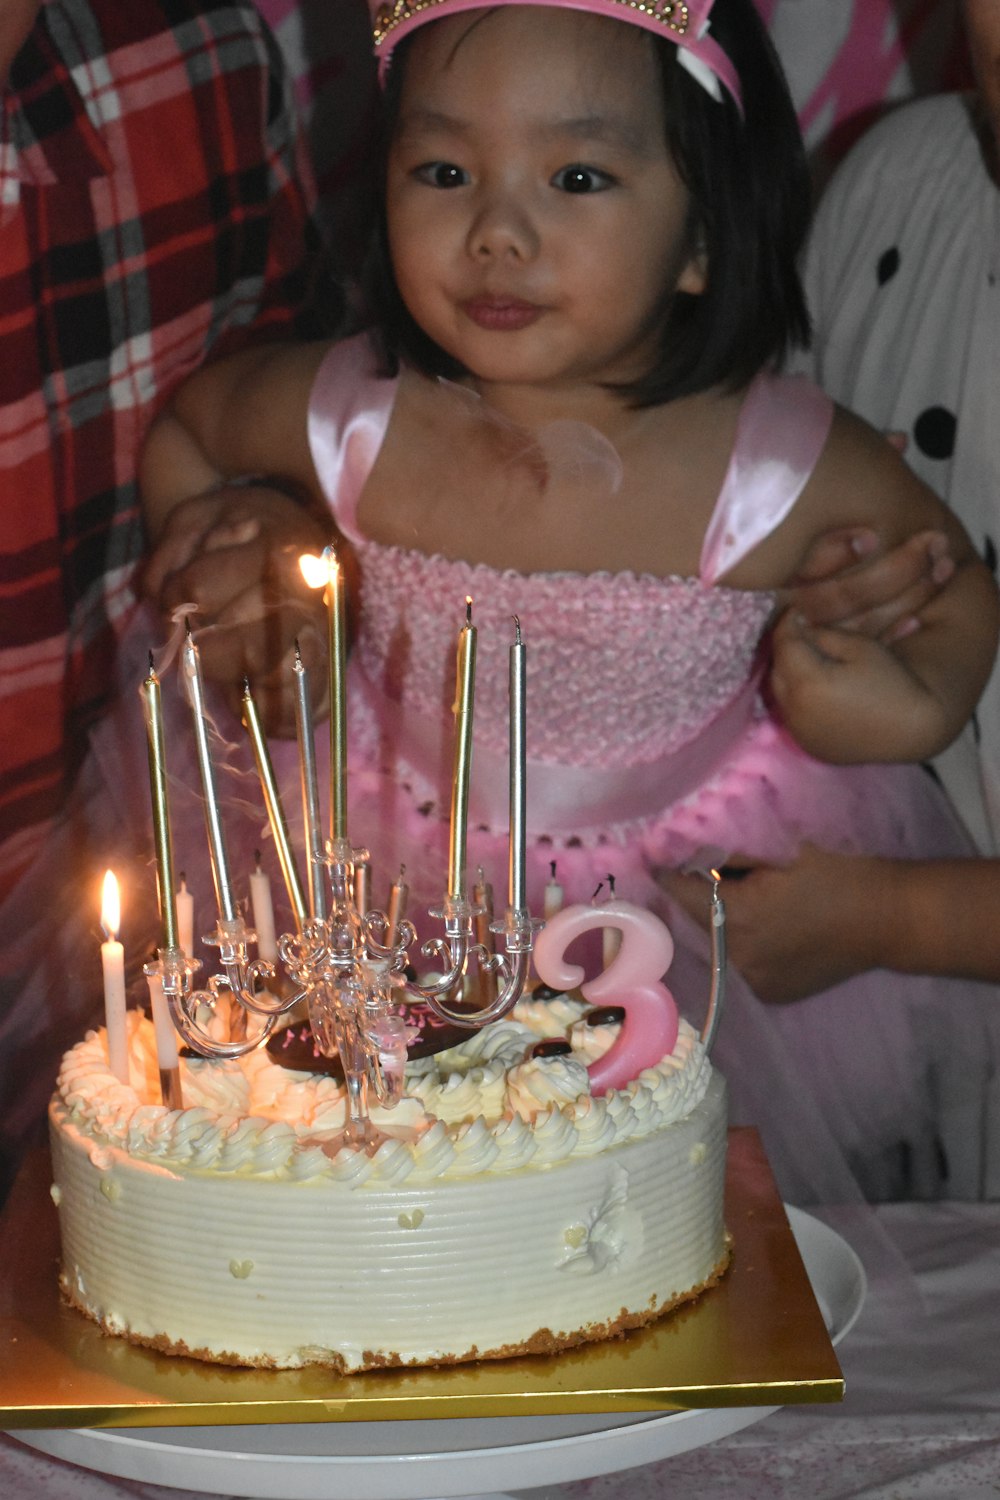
{"x":649,"y":746}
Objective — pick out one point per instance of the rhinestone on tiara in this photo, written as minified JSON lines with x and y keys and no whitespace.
{"x":673,"y":14}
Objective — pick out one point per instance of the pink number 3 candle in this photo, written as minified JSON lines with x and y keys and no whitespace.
{"x":631,"y":980}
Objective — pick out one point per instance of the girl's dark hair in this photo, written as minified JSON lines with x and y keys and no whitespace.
{"x":750,"y":204}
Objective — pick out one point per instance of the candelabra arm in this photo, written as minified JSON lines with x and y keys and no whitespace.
{"x":518,"y":929}
{"x":452,"y":951}
{"x":183,"y":1002}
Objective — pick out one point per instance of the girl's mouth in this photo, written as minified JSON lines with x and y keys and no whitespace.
{"x":501,"y":314}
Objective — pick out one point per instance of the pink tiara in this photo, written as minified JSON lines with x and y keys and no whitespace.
{"x":684,"y":22}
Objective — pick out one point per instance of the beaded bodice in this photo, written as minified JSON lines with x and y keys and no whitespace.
{"x":621,"y":669}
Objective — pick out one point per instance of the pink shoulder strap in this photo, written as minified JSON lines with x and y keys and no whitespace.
{"x":783,"y":425}
{"x":349,"y":411}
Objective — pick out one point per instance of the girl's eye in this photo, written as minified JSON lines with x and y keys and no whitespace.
{"x":577,"y":179}
{"x":442,"y":174}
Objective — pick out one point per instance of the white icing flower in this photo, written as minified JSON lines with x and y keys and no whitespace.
{"x":543,"y":1081}
{"x":475,"y":1151}
{"x":515,"y":1142}
{"x":599,"y":1239}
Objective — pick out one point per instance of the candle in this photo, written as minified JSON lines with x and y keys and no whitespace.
{"x":399,"y":894}
{"x":279,"y":831}
{"x":167,"y":1061}
{"x":554,"y":894}
{"x":483,"y":898}
{"x":632,"y":980}
{"x":318,"y":572}
{"x":263,"y":912}
{"x":113,"y":965}
{"x":611,"y":938}
{"x":517,"y":822}
{"x":153,"y":707}
{"x":362,"y":878}
{"x":185,"y":918}
{"x":191,"y":667}
{"x":337,"y":618}
{"x":310,"y":787}
{"x":464,"y":695}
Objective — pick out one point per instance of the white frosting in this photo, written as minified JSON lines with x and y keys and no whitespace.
{"x":254,"y":1117}
{"x":242,"y":1227}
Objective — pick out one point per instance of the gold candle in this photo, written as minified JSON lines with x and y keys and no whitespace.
{"x":318,"y":572}
{"x":153,"y":707}
{"x":337,"y":626}
{"x":275,"y":811}
{"x":464,"y":695}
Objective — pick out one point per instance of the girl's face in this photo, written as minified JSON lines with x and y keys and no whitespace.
{"x":537,"y":223}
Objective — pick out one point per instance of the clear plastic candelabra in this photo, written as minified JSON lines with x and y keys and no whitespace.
{"x":350,"y":969}
{"x":348,"y":965}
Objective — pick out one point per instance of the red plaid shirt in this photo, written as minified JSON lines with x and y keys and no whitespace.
{"x":150,"y":210}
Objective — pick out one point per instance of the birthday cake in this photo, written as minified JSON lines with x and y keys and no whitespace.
{"x":506,"y":1211}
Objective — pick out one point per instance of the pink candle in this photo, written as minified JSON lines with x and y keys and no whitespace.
{"x":631,"y":980}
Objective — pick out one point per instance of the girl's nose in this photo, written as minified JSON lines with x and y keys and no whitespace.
{"x":503,"y":229}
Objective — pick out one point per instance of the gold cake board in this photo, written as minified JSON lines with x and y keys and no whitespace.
{"x":756,"y":1339}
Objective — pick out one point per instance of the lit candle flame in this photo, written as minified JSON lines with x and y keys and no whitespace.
{"x":111,"y":910}
{"x":315,"y":570}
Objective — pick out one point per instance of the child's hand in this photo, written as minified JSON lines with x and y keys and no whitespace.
{"x":846,"y":698}
{"x":848,"y":582}
{"x":234,"y":553}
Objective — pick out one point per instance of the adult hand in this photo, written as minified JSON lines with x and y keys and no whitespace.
{"x":846,"y":581}
{"x":796,"y":929}
{"x":847,"y":698}
{"x":234,"y":553}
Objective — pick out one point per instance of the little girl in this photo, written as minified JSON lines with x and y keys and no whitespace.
{"x":568,"y":410}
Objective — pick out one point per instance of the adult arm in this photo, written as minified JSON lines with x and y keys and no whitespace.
{"x":793,"y":931}
{"x":230,"y":520}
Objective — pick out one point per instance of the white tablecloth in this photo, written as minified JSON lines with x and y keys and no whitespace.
{"x":920,"y":1421}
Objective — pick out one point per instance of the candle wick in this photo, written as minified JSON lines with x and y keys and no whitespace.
{"x":517,"y":631}
{"x":468,"y":609}
{"x":151,"y":667}
{"x":298,"y":653}
{"x":598,"y":891}
{"x":552,"y":868}
{"x":611,"y":884}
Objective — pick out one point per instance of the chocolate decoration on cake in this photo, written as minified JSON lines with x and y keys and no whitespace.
{"x":294,"y":1047}
{"x":605,"y":1015}
{"x":551,"y":1046}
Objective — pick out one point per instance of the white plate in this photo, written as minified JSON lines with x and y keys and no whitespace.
{"x":447,"y":1458}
